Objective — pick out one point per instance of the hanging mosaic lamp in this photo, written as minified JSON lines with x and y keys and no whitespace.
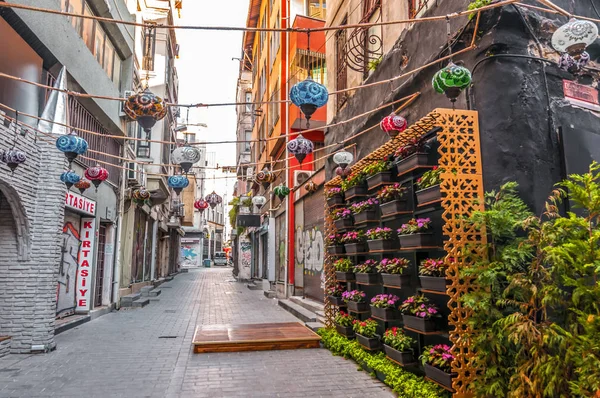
{"x":343,"y":173}
{"x":393,"y":125}
{"x":82,"y":185}
{"x":13,"y":158}
{"x":201,"y":205}
{"x":96,"y":175}
{"x":185,"y":156}
{"x":72,"y":145}
{"x":300,"y":147}
{"x":309,"y":95}
{"x":571,"y":40}
{"x":145,"y":108}
{"x":178,"y":183}
{"x":311,"y":187}
{"x":140,"y":195}
{"x":70,"y":178}
{"x":259,"y":201}
{"x":452,"y":80}
{"x":265,"y":177}
{"x":343,"y":159}
{"x":213,"y":199}
{"x":281,"y":191}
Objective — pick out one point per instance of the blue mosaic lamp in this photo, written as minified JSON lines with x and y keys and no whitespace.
{"x":70,"y":178}
{"x":178,"y":183}
{"x":72,"y":145}
{"x":13,"y":158}
{"x":309,"y":95}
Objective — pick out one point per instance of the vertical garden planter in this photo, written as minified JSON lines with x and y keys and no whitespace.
{"x":437,"y":284}
{"x":344,"y":223}
{"x":393,"y":207}
{"x":337,"y":301}
{"x":402,"y":357}
{"x":368,"y":279}
{"x":412,"y":162}
{"x":439,"y":375}
{"x":416,"y":240}
{"x":428,"y":195}
{"x":382,"y":245}
{"x":366,"y":216}
{"x":358,"y":307}
{"x":420,"y":324}
{"x":396,"y":280}
{"x":353,"y":248}
{"x":371,"y":344}
{"x":344,"y":276}
{"x":345,"y":331}
{"x":386,"y":314}
{"x":339,"y":249}
{"x":358,"y":190}
{"x":336,"y":200}
{"x":379,"y":179}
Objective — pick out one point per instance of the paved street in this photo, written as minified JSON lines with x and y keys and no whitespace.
{"x":147,"y":353}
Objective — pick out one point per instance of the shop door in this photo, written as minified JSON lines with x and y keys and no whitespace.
{"x":264,"y":238}
{"x":100,"y":266}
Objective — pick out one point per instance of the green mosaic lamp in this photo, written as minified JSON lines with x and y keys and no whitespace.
{"x":281,"y":191}
{"x":452,"y":80}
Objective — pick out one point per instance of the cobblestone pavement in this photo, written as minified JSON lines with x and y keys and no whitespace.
{"x":126,"y":354}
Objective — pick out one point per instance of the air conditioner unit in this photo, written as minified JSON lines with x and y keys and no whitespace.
{"x":301,"y":176}
{"x":126,"y":94}
{"x":136,"y":175}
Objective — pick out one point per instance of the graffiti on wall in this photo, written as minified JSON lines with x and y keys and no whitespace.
{"x":189,"y":255}
{"x":245,"y":255}
{"x":309,"y":250}
{"x":67,"y":271}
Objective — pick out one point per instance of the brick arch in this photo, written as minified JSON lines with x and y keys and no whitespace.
{"x":20,"y":218}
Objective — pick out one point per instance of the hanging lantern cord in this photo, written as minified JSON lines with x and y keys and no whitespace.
{"x":449,"y":34}
{"x":308,"y":68}
{"x":16,"y":129}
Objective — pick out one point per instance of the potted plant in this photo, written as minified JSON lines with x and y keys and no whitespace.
{"x":383,"y":306}
{"x":334,"y":244}
{"x":418,"y":314}
{"x":335,"y":196}
{"x":432,"y":274}
{"x":344,"y":270}
{"x":355,"y":185}
{"x":366,"y":273}
{"x":394,"y":272}
{"x":392,"y":200}
{"x":416,"y":233}
{"x":343,"y":324}
{"x":378,"y":173}
{"x":437,"y":361}
{"x":381,"y":239}
{"x":365,"y":211}
{"x":334,"y":294}
{"x":356,"y":301}
{"x":398,"y":346}
{"x":428,"y":186}
{"x":411,"y":156}
{"x":342,"y":218}
{"x":354,"y":242}
{"x":366,"y":334}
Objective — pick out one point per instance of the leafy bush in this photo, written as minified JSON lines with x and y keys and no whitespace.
{"x":363,"y":206}
{"x":341,"y":213}
{"x":366,"y":328}
{"x":390,"y":193}
{"x":335,"y":290}
{"x":368,"y":267}
{"x":433,"y":267}
{"x":431,"y":178}
{"x":380,"y":233}
{"x":384,"y":301}
{"x":395,"y":338}
{"x":419,"y":306}
{"x":355,"y":295}
{"x":354,"y":180}
{"x":438,"y":356}
{"x":415,"y":145}
{"x":343,"y":265}
{"x":376,"y":168}
{"x":344,"y":319}
{"x":393,"y":265}
{"x":332,"y":192}
{"x":415,"y":226}
{"x":354,"y":237}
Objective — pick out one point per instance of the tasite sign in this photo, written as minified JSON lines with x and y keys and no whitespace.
{"x":85,"y":263}
{"x":80,"y":203}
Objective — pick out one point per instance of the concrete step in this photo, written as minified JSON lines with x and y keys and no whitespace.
{"x":142,"y":302}
{"x":254,"y":286}
{"x":311,"y":305}
{"x":145,"y":291}
{"x":270,"y":293}
{"x":298,"y":311}
{"x":320,"y":316}
{"x":314,"y":326}
{"x":127,"y":301}
{"x":154,"y":292}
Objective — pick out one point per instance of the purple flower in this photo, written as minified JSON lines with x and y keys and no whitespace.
{"x":432,"y":310}
{"x":422,"y":314}
{"x":447,"y":356}
{"x":391,"y":302}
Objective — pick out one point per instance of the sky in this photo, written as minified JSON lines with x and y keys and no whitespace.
{"x":208,"y":74}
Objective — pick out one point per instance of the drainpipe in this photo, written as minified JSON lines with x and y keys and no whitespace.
{"x":287,"y":154}
{"x":154,"y":244}
{"x":120,"y":236}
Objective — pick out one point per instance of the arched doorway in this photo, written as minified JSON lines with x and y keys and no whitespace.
{"x":14,"y":226}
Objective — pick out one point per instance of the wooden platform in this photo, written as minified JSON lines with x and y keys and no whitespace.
{"x":254,"y":337}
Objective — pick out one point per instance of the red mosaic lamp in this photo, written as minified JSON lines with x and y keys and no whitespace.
{"x":393,"y":125}
{"x":201,"y":205}
{"x":96,"y":175}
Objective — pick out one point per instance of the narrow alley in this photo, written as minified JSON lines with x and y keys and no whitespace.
{"x":148,"y":353}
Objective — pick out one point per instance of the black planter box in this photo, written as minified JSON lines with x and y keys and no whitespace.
{"x":393,"y":207}
{"x":403,"y":358}
{"x":344,"y":223}
{"x":353,"y":248}
{"x":413,"y":161}
{"x":428,"y":195}
{"x":386,"y":314}
{"x":368,"y":279}
{"x":416,"y":240}
{"x":438,"y":284}
{"x":420,"y":324}
{"x":380,"y":376}
{"x":337,"y":301}
{"x":366,"y":216}
{"x":344,"y":276}
{"x":380,"y":178}
{"x":345,"y":331}
{"x":396,"y":280}
{"x":438,"y":375}
{"x":358,"y":307}
{"x":371,"y":344}
{"x":339,"y":249}
{"x":358,"y":190}
{"x":381,"y":245}
{"x":335,"y":201}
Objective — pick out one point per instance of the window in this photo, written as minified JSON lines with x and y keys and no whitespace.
{"x":248,"y":99}
{"x":109,"y":56}
{"x":247,"y":138}
{"x":143,"y":147}
{"x":74,"y":7}
{"x":87,"y":32}
{"x":100,"y":39}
